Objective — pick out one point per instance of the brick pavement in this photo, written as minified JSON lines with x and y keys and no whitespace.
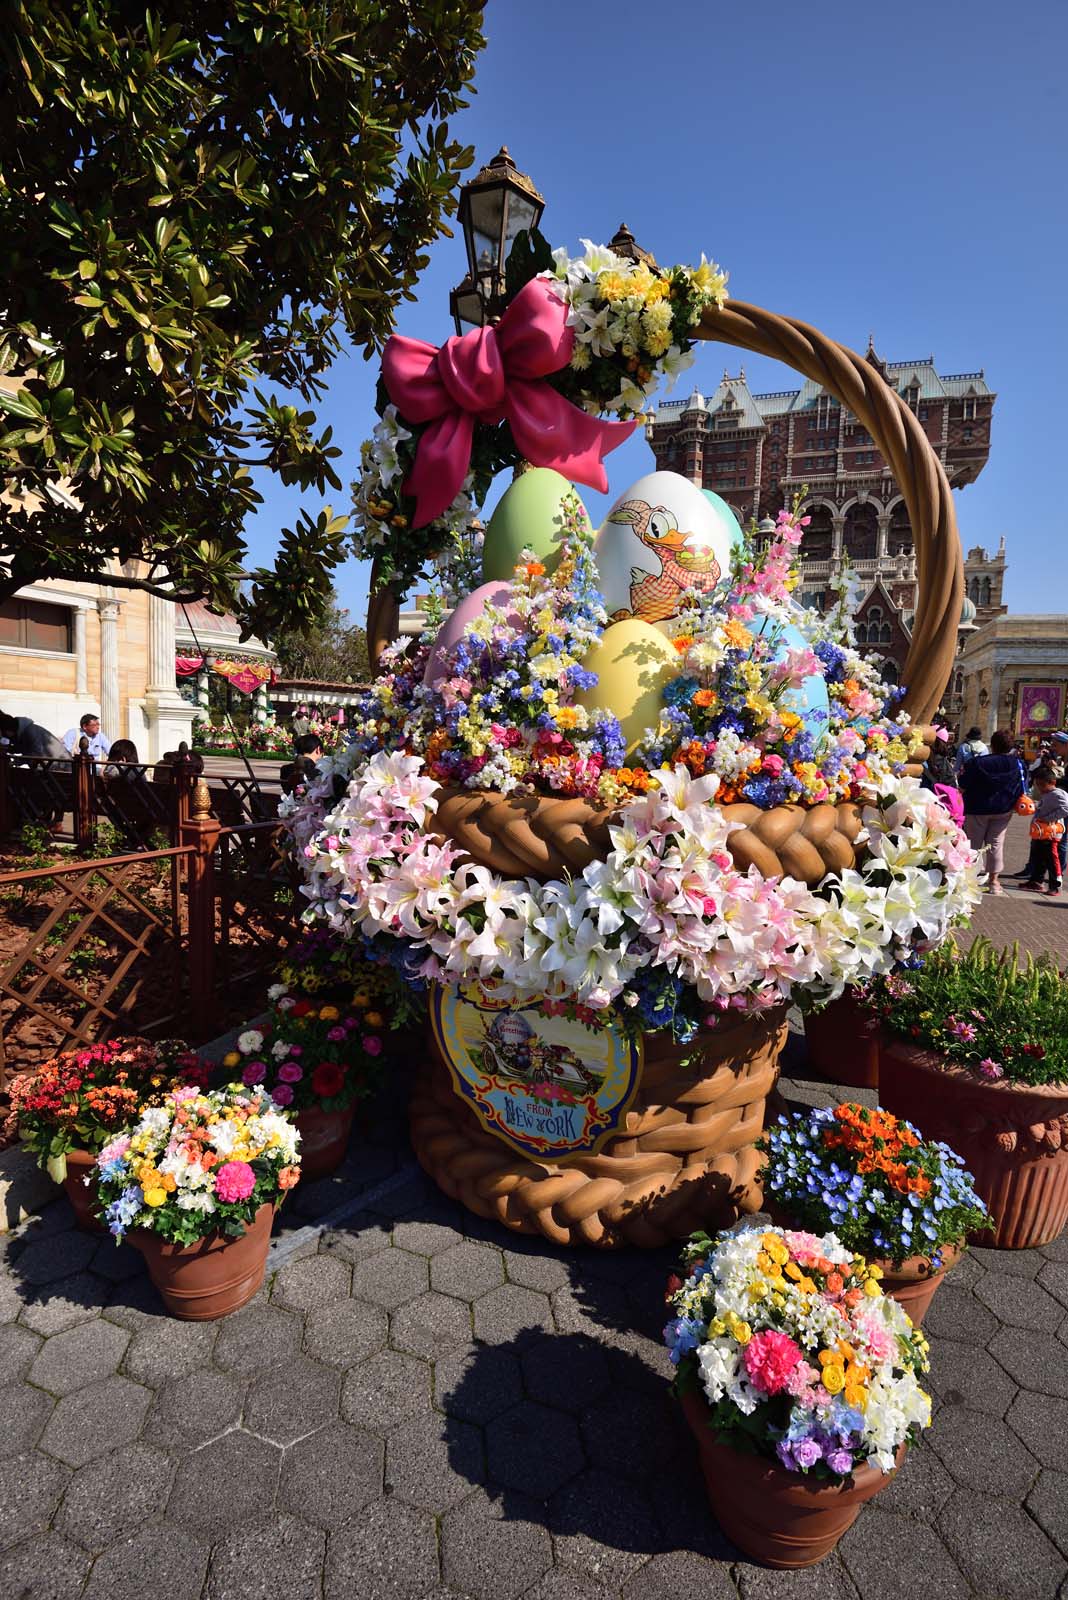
{"x":421,"y":1405}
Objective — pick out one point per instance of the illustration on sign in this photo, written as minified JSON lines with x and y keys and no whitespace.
{"x":546,"y":1085}
{"x":1040,"y":707}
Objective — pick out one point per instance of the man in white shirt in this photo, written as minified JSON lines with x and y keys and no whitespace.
{"x":99,"y":744}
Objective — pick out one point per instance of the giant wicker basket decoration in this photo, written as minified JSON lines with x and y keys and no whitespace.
{"x":685,"y":1156}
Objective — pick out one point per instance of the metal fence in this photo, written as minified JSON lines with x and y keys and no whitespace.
{"x":155,"y":941}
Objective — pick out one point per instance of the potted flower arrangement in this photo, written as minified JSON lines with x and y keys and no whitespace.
{"x":73,"y":1105}
{"x":316,"y":1061}
{"x":975,"y":1051}
{"x":800,"y":1381}
{"x":907,"y":1205}
{"x":194,"y":1184}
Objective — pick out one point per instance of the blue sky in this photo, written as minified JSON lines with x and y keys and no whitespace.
{"x":895,"y":169}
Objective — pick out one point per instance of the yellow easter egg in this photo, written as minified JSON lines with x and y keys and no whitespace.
{"x":633,"y":661}
{"x":527,"y":516}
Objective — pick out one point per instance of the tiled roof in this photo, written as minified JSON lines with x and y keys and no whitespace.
{"x":899,"y":374}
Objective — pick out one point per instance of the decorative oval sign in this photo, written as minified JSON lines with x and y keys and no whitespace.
{"x":546,"y":1085}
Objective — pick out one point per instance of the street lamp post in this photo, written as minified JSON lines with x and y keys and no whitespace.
{"x":496,"y":205}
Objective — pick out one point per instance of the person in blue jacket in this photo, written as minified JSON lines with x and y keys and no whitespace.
{"x":991,"y":785}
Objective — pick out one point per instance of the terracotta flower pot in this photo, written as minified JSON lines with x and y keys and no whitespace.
{"x":843,"y":1043}
{"x":913,"y":1284}
{"x":1012,"y":1137}
{"x":211,"y":1278}
{"x":82,"y":1195}
{"x":684,"y":1156}
{"x":324,"y":1140}
{"x":784,"y":1519}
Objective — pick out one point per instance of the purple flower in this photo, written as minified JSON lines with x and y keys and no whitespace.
{"x":372,"y":1044}
{"x":807,"y":1453}
{"x":336,"y":1034}
{"x":254,"y":1073}
{"x":282,"y":1094}
{"x":840,"y":1461}
{"x":289,"y":1072}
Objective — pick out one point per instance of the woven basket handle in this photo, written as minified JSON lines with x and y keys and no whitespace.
{"x":904,"y":446}
{"x":916,"y":469}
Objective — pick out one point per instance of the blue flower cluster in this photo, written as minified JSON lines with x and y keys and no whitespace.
{"x":121,"y":1212}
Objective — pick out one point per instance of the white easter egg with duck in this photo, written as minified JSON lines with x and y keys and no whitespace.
{"x":661,"y":539}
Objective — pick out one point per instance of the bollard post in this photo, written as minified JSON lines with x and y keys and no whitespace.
{"x":83,"y":785}
{"x":201,"y":830}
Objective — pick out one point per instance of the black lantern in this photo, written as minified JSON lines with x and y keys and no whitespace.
{"x":465,"y":304}
{"x":498,"y":203}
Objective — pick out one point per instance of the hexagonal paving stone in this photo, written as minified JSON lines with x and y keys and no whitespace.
{"x":956,"y":1314}
{"x":385,"y":1391}
{"x":292,"y":1401}
{"x":345,"y":1333}
{"x":30,"y":1488}
{"x":256,"y":1339}
{"x":1048,"y":1504}
{"x":533,"y":1449}
{"x":1019,"y":1303}
{"x":171,"y":1350}
{"x":43,"y":1569}
{"x":70,"y":1360}
{"x":478,"y":1384}
{"x":603,"y":1527}
{"x":23,"y":1413}
{"x":559,"y":1583}
{"x":431,"y":1466}
{"x":490,"y":1556}
{"x":189,"y":1411}
{"x":112,"y":1497}
{"x":1003,"y":1552}
{"x":62,"y":1305}
{"x":636,"y":1434}
{"x":310,"y":1282}
{"x":921,"y":1490}
{"x":467,"y":1270}
{"x":896,"y":1558}
{"x":95,"y":1420}
{"x":679,"y":1572}
{"x":982,"y":1452}
{"x":330,"y":1477}
{"x":1018,"y":1263}
{"x":511,"y":1312}
{"x":431,"y":1325}
{"x":961,"y":1375}
{"x":389,"y":1279}
{"x":566,"y":1370}
{"x":279,"y":1560}
{"x":1042,"y":1424}
{"x":363,"y":1236}
{"x":47,"y":1260}
{"x":1054,"y":1279}
{"x":18,"y":1347}
{"x":1036,"y":1362}
{"x":227,"y":1483}
{"x":152,"y":1562}
{"x":387,"y":1553}
{"x":426,"y":1238}
{"x":136,"y":1304}
{"x":536,"y":1271}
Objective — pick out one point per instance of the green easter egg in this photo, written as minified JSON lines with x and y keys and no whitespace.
{"x":527,"y":517}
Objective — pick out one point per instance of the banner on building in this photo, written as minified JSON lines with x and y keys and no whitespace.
{"x":185,"y":666}
{"x":1041,"y":707}
{"x":546,"y":1085}
{"x":247,"y":676}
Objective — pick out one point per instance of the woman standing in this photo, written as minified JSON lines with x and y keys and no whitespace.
{"x":991,"y":785}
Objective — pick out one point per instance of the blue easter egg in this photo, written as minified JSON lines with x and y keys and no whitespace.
{"x":808,"y":698}
{"x":727,"y":519}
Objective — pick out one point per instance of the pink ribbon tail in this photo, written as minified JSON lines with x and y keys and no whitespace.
{"x":551,"y":432}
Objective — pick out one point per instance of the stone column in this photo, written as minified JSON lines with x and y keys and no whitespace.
{"x":838,"y":534}
{"x":81,"y":663}
{"x":883,"y":536}
{"x":168,"y":717}
{"x":110,"y":708}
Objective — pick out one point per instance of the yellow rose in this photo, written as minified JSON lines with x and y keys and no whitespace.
{"x":742,"y":1331}
{"x":232,"y":1058}
{"x":875,"y":1272}
{"x":328,"y":1013}
{"x":872,"y":1290}
{"x":833,"y":1378}
{"x":155,"y":1197}
{"x":856,"y":1396}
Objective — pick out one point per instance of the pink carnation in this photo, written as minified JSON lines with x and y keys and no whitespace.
{"x":282,"y":1094}
{"x":877,"y":1337}
{"x":234,"y":1180}
{"x":769,"y":1358}
{"x":254,"y":1073}
{"x":289,"y":1072}
{"x":372,"y":1044}
{"x":336,"y":1034}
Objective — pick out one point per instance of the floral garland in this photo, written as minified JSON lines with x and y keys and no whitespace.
{"x":633,"y":330}
{"x":797,"y":1350}
{"x":666,"y":931}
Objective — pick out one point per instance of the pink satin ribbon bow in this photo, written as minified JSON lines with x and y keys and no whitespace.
{"x":490,"y":375}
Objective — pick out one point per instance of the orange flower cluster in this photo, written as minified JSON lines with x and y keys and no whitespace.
{"x":878,"y":1141}
{"x":636,"y":779}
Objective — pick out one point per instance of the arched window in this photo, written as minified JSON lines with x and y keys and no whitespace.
{"x":817,"y":541}
{"x":861,"y":534}
{"x":875,"y":614}
{"x":900,"y":534}
{"x":985,"y":592}
{"x":973,"y":590}
{"x":861,"y":631}
{"x":886,"y":633}
{"x":888,"y":672}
